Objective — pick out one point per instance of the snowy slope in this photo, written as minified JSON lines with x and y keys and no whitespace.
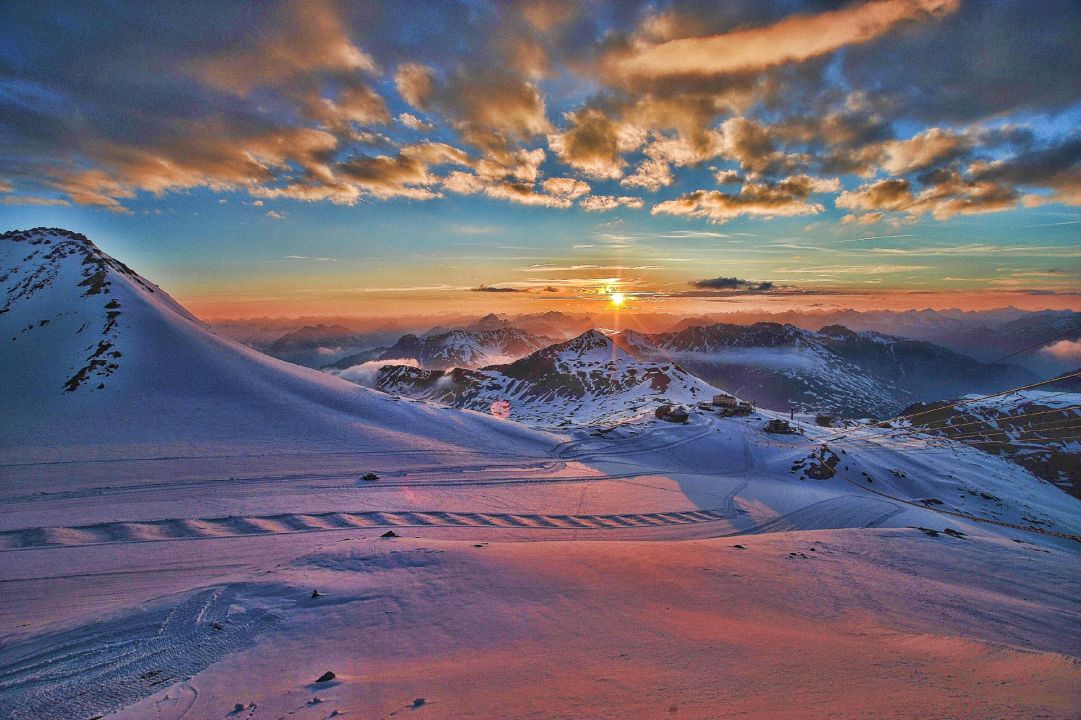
{"x":159,"y":550}
{"x":584,"y":381}
{"x":1037,"y":429}
{"x":94,"y":354}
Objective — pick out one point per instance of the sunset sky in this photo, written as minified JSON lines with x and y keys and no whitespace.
{"x":406,"y":157}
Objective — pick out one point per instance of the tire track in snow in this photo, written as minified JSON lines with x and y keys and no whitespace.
{"x":84,"y":674}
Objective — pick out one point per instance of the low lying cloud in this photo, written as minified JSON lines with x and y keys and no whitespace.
{"x":367,"y":374}
{"x":1068,"y":350}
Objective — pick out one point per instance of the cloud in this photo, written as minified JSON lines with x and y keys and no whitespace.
{"x":946,"y":193}
{"x":367,"y":374}
{"x":732,"y":284}
{"x":921,"y":151}
{"x":792,"y":39}
{"x":594,"y":143}
{"x":31,"y":200}
{"x":491,"y":289}
{"x":978,"y":62}
{"x":275,"y":215}
{"x":1069,"y":350}
{"x":603,"y":203}
{"x":300,"y":40}
{"x":414,"y":84}
{"x":785,"y":198}
{"x":492,"y":109}
{"x":296,"y":101}
{"x":413,"y":122}
{"x":565,"y":187}
{"x":1056,"y":166}
{"x":889,"y":194}
{"x":408,"y":174}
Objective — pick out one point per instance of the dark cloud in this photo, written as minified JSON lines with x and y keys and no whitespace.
{"x":1056,"y":166}
{"x":986,"y":59}
{"x":733,"y":284}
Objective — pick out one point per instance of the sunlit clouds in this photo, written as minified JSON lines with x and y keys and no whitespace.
{"x":436,"y":146}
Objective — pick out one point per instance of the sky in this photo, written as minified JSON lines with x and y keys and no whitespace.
{"x":396,"y":158}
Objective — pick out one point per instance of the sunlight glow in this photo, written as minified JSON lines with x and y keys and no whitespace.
{"x":617,"y":299}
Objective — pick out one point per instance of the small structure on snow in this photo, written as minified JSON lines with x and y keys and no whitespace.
{"x":781,"y":427}
{"x":725,"y":400}
{"x":672,"y":413}
{"x":731,"y":406}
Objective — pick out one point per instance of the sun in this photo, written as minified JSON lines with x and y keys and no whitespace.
{"x":617,"y":298}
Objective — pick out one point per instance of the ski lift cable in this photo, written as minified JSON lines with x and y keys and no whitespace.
{"x":945,"y":425}
{"x":963,"y":401}
{"x":1037,"y":428}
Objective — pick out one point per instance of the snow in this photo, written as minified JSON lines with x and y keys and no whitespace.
{"x":161,"y":538}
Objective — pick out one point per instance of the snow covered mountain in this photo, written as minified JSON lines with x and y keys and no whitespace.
{"x":464,"y":348}
{"x":317,"y":345}
{"x":93,"y":354}
{"x":835,"y":370}
{"x":1037,"y":429}
{"x":584,"y":381}
{"x":189,"y":529}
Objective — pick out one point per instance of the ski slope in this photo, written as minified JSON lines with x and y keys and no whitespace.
{"x":161,"y":539}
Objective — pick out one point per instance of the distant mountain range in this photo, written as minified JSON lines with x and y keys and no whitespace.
{"x":583,"y":381}
{"x":984,"y":335}
{"x":836,"y":370}
{"x":465,"y":348}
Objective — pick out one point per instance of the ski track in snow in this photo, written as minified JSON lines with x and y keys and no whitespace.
{"x":90,"y":672}
{"x":840,"y":512}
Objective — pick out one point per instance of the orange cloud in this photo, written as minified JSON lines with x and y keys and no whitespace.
{"x":786,"y":198}
{"x":312,"y":38}
{"x":793,"y":39}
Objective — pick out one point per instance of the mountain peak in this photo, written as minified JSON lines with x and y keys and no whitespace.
{"x":589,"y":340}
